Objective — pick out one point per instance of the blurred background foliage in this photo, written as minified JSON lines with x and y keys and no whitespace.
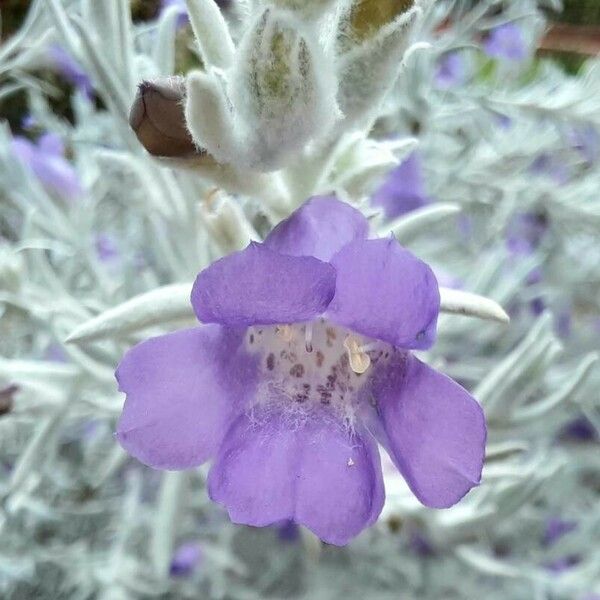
{"x":575,"y":12}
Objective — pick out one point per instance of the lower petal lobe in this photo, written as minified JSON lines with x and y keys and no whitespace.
{"x":183,"y":389}
{"x":433,"y":429}
{"x":312,"y":470}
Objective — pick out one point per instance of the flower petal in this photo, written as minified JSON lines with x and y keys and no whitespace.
{"x":385,"y":292}
{"x":253,"y":474}
{"x":259,"y":286}
{"x":314,"y":472}
{"x":58,"y":175}
{"x":320,"y":227}
{"x":182,"y":390}
{"x":340,"y":484}
{"x":434,"y":430}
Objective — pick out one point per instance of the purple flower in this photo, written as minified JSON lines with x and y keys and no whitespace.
{"x":586,"y":140}
{"x":70,"y":69}
{"x":559,"y":566}
{"x":506,"y":43}
{"x":186,"y":559}
{"x":106,"y":248}
{"x":46,"y":160}
{"x":550,"y":166}
{"x":525,"y":234}
{"x":580,"y":430}
{"x":403,"y":190}
{"x":451,"y":71}
{"x":301,"y":365}
{"x":420,"y":545}
{"x":555,"y":529}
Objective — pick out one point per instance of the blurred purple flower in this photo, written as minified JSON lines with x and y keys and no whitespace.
{"x":56,"y":353}
{"x":550,"y":166}
{"x":420,"y":545}
{"x":559,"y":566}
{"x":563,"y":323}
{"x":403,"y":190}
{"x":70,"y":69}
{"x":302,"y":363}
{"x":555,"y":529}
{"x":525,"y":234}
{"x":506,"y":42}
{"x":46,"y":160}
{"x":106,"y":247}
{"x":451,"y":71}
{"x":586,"y":140}
{"x":29,"y":122}
{"x":186,"y":559}
{"x":580,"y":430}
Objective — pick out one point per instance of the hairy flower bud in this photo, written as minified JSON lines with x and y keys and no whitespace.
{"x":367,"y":17}
{"x":157,"y":117}
{"x":368,"y":70}
{"x":282,"y":91}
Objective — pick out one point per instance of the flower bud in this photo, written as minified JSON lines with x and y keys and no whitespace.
{"x":367,"y":17}
{"x":157,"y":117}
{"x":369,"y":69}
{"x":282,"y":90}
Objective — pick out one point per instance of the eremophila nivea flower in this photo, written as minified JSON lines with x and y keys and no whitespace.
{"x":506,"y":42}
{"x":301,"y":365}
{"x":47,"y":161}
{"x":403,"y":189}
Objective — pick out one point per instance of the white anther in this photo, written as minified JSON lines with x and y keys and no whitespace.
{"x":359,"y":361}
{"x":285,"y":332}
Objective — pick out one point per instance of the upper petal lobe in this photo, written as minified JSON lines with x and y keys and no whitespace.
{"x":260,"y":286}
{"x":385,"y":292}
{"x":320,"y":227}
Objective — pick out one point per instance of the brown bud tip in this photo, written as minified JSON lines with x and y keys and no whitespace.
{"x":7,"y":399}
{"x":368,"y":16}
{"x":157,"y":117}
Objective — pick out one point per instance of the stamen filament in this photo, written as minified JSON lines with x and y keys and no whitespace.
{"x":308,"y":334}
